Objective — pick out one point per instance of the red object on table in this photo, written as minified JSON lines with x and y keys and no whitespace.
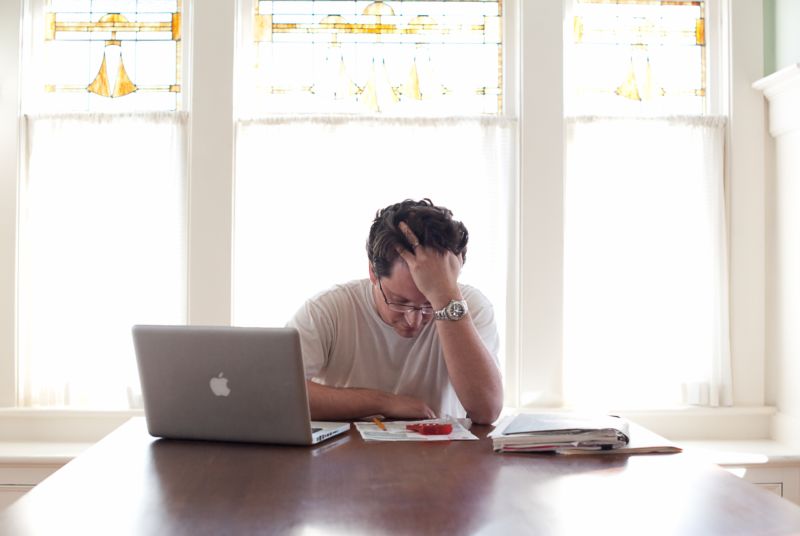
{"x":430,"y":428}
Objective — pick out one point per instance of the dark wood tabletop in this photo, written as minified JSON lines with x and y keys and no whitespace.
{"x":131,"y":483}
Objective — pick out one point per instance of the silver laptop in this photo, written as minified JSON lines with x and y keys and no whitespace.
{"x":226,"y":384}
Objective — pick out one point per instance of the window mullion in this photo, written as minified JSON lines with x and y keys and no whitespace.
{"x":745,"y":174}
{"x":211,"y":161}
{"x":541,"y":194}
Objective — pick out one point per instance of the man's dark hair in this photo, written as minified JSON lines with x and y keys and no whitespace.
{"x":433,"y":226}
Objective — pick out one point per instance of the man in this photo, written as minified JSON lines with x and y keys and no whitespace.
{"x":410,"y":342}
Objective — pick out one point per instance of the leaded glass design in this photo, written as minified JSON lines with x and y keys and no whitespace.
{"x":638,"y":56}
{"x":397,"y":56}
{"x":112,"y":55}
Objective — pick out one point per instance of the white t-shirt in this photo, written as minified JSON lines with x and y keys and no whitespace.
{"x":347,"y":344}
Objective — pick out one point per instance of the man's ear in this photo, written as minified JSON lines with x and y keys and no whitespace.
{"x":372,"y":276}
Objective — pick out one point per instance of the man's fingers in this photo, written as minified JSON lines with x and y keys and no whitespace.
{"x":409,"y":234}
{"x":405,"y":254}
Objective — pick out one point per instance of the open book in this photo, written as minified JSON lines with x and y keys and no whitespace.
{"x":568,"y":433}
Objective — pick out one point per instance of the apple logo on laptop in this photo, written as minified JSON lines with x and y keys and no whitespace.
{"x":219,"y":385}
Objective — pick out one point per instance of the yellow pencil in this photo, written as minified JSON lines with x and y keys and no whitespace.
{"x":379,"y":424}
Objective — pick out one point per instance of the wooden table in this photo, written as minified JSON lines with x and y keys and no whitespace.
{"x":130,"y":483}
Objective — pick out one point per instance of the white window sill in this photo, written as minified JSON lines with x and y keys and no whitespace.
{"x":39,"y":453}
{"x":45,"y":437}
{"x":28,"y":425}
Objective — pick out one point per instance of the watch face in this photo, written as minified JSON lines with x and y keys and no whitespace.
{"x":456,"y":310}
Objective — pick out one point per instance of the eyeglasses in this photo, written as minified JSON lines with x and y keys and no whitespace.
{"x":402,"y":307}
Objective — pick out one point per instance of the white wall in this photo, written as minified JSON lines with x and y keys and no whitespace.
{"x":783,"y":249}
{"x":783,"y":312}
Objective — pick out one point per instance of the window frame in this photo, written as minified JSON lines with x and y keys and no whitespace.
{"x":534,"y":332}
{"x":10,"y":33}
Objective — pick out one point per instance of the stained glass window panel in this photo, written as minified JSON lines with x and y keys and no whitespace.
{"x":112,"y":55}
{"x":635,"y":57}
{"x":393,"y":57}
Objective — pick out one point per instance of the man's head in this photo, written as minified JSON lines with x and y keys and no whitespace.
{"x":397,"y":299}
{"x":433,"y":226}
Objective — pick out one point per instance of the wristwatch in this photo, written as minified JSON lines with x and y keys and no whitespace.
{"x":455,"y":310}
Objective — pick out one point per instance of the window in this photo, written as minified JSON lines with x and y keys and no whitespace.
{"x":91,"y":53}
{"x":101,"y":196}
{"x":645,"y":244}
{"x":201,"y":287}
{"x":635,"y":57}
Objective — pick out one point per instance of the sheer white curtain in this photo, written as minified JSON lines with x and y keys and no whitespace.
{"x":101,"y":247}
{"x":646,"y":284}
{"x":307,"y":189}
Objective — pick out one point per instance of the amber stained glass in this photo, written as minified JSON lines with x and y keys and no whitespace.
{"x":112,"y":55}
{"x":638,"y":56}
{"x":397,"y":56}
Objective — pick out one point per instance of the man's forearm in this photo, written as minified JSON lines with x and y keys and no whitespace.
{"x":335,"y":403}
{"x":470,"y":365}
{"x":472,"y":370}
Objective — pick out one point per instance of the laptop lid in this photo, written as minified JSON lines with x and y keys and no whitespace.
{"x":226,"y":383}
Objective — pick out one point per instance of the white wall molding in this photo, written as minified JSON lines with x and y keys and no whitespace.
{"x":782,"y":89}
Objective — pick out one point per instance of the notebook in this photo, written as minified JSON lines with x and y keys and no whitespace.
{"x":226,"y":384}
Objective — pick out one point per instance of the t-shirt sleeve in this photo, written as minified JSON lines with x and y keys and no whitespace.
{"x":315,"y":329}
{"x":482,"y":313}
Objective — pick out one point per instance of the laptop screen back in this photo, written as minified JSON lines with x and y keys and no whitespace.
{"x":223,"y":383}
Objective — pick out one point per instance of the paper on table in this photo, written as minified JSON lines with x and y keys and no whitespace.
{"x":641,"y":440}
{"x":396,"y":431}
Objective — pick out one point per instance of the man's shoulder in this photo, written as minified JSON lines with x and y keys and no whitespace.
{"x":474,"y":296}
{"x":334,"y":304}
{"x":354,"y":290}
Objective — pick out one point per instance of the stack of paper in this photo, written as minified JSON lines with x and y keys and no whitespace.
{"x":568,"y":433}
{"x":554,"y":432}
